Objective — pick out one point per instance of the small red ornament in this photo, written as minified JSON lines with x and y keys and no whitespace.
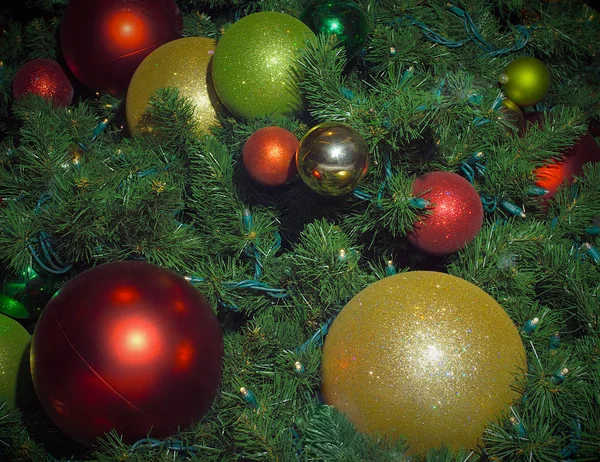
{"x":269,"y":156}
{"x":457,"y":213}
{"x":129,"y":346}
{"x":43,"y":77}
{"x":564,"y":171}
{"x":104,"y":41}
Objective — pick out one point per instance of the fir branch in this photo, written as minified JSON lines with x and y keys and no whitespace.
{"x":391,"y":210}
{"x":15,"y":442}
{"x":19,"y":227}
{"x":552,"y":379}
{"x":170,"y":120}
{"x":328,"y":435}
{"x":198,"y":24}
{"x":326,"y":266}
{"x":40,"y":39}
{"x":510,"y":167}
{"x":575,"y":207}
{"x":567,"y":34}
{"x":47,"y":5}
{"x":11,"y":45}
{"x":539,"y":443}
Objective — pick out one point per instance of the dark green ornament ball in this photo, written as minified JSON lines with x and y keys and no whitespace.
{"x":254,"y":65}
{"x":342,"y":19}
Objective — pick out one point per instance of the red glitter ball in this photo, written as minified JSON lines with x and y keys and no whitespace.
{"x":269,"y":156}
{"x":45,"y":78}
{"x":129,"y":346}
{"x":104,"y":41}
{"x":457,"y":213}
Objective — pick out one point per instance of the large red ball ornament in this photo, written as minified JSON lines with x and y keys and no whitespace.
{"x":45,"y":78}
{"x":126,"y":346}
{"x":269,"y":156}
{"x":104,"y":41}
{"x":457,"y":213}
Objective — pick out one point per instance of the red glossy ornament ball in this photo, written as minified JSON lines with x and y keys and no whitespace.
{"x":457,"y":213}
{"x":128,"y":346}
{"x":104,"y":41}
{"x":269,"y":156}
{"x":45,"y":78}
{"x":564,"y":171}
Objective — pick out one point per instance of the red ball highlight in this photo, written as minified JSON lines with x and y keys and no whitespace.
{"x":104,"y":41}
{"x":128,"y":346}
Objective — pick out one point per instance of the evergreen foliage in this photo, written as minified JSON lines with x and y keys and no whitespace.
{"x":278,"y":265}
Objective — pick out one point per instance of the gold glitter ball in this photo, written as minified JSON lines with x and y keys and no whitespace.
{"x":424,"y":355}
{"x":184,"y":64}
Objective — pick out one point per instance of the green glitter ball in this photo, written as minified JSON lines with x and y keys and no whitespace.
{"x":15,"y":378}
{"x":342,"y":19}
{"x":253,"y":67}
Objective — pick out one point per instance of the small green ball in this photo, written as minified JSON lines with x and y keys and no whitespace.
{"x":254,"y":65}
{"x":526,"y":81}
{"x":15,"y":378}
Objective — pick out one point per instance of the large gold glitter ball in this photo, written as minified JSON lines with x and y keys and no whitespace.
{"x":332,"y":159}
{"x":184,"y":64}
{"x":424,"y":355}
{"x":255,"y":65}
{"x":526,"y":81}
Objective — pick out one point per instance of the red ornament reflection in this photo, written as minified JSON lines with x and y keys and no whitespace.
{"x":125,"y":294}
{"x":126,"y":31}
{"x":128,"y":346}
{"x":104,"y":41}
{"x":552,"y":175}
{"x":135,"y":340}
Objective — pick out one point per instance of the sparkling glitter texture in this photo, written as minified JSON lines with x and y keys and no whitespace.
{"x":269,"y":156}
{"x":526,"y":81}
{"x":254,"y":65}
{"x":184,"y":64}
{"x":425,"y":355}
{"x":457,"y":213}
{"x":45,"y":78}
{"x":104,"y":41}
{"x":15,"y":380}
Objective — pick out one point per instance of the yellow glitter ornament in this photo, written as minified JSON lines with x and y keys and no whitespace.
{"x":184,"y":64}
{"x":424,"y":355}
{"x":526,"y":81}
